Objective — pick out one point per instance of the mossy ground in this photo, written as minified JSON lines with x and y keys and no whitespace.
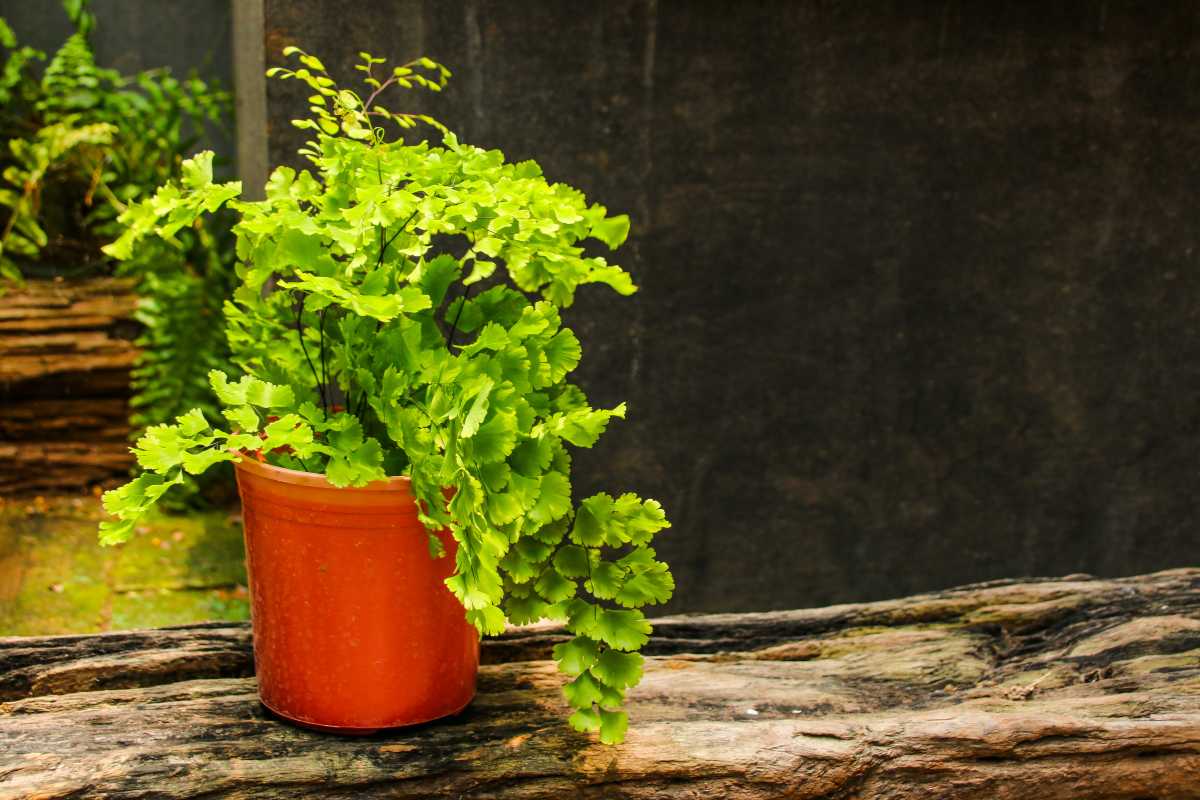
{"x":55,"y":578}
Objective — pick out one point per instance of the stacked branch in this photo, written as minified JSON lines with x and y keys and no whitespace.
{"x":65,"y":357}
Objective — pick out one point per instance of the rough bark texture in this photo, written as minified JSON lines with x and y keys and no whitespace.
{"x":1073,"y":688}
{"x":65,"y":356}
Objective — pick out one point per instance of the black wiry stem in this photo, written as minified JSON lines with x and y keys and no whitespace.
{"x":362,"y":405}
{"x":324,"y":373}
{"x":385,"y":245}
{"x":465,"y":296}
{"x":382,"y":228}
{"x":300,"y":333}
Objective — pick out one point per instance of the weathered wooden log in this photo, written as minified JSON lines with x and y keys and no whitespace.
{"x":65,"y":357}
{"x":1069,"y":688}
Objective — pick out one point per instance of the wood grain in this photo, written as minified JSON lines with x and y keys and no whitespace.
{"x":65,"y":357}
{"x":1069,"y":688}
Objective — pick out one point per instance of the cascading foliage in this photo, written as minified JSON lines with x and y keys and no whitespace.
{"x":370,"y":348}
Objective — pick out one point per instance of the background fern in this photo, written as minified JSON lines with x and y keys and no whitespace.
{"x":83,"y":142}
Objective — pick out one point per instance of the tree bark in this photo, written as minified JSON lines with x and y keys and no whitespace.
{"x":1069,"y":688}
{"x":65,"y":357}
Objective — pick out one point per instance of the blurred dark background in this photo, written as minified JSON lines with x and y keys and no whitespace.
{"x":919,"y":299}
{"x":919,"y":281}
{"x":184,"y":36}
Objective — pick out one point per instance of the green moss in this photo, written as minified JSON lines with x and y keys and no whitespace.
{"x":55,"y":578}
{"x":1174,"y":662}
{"x":183,"y":552}
{"x":157,"y":607}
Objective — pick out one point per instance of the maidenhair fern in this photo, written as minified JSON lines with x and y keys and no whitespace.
{"x":370,"y":349}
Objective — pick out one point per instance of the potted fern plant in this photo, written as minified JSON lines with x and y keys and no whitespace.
{"x":402,"y":432}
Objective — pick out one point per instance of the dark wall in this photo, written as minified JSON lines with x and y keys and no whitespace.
{"x":134,"y":35}
{"x":920,"y":301}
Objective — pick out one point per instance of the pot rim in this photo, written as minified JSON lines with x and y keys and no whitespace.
{"x":295,"y":477}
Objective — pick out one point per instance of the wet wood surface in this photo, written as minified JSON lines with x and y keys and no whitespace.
{"x":1067,"y":688}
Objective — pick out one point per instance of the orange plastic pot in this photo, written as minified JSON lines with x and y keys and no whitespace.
{"x":354,"y":629}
